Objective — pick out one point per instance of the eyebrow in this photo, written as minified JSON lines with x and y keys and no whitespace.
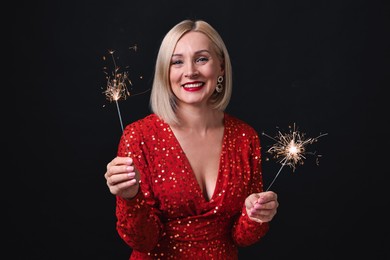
{"x":197,"y":52}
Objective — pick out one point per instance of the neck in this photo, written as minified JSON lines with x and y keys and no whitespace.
{"x":199,"y":120}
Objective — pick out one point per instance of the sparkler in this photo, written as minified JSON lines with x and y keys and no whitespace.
{"x":290,"y":149}
{"x":117,"y":83}
{"x":117,"y":86}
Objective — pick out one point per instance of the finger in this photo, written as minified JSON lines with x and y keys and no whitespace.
{"x":123,"y":160}
{"x":263,"y":215}
{"x":118,"y":169}
{"x":120,"y":178}
{"x":268,"y":205}
{"x":123,"y":186}
{"x":251,"y":200}
{"x":267,"y":196}
{"x":119,"y":161}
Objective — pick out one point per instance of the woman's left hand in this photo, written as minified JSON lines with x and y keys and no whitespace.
{"x":262,"y":207}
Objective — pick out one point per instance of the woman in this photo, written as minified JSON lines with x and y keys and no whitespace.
{"x":187,"y":177}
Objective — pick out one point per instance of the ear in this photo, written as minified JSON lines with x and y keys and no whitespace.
{"x":222,"y":67}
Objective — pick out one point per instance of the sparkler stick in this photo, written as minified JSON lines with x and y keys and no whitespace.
{"x":276,"y":176}
{"x":290,"y":149}
{"x":119,"y":114}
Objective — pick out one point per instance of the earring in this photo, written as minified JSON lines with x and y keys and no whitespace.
{"x":219,"y":87}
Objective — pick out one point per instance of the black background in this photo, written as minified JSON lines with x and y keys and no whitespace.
{"x":323,"y":65}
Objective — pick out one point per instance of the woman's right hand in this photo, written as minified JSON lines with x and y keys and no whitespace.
{"x":122,"y":178}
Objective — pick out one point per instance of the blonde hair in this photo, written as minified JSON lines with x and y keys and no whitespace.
{"x":162,"y":99}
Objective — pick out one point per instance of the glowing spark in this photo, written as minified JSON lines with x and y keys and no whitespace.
{"x":290,"y":148}
{"x":117,"y":83}
{"x":116,"y":88}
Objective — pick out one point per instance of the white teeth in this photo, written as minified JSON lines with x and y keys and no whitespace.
{"x":193,"y":85}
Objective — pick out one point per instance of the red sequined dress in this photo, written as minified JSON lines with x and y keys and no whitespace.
{"x":170,"y":218}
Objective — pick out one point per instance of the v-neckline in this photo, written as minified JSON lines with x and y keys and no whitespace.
{"x":188,"y":164}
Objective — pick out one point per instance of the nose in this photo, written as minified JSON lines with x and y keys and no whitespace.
{"x":191,"y":71}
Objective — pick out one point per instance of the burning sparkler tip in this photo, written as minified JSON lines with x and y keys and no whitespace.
{"x":290,"y":148}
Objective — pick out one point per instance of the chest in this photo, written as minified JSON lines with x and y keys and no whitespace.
{"x":203,"y":154}
{"x":188,"y":176}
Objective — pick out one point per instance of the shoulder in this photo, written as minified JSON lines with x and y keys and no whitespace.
{"x":238,"y":125}
{"x":147,"y":129}
{"x":149,"y":122}
{"x":240,"y":132}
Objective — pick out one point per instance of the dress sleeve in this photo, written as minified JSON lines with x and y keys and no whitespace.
{"x":138,"y":219}
{"x":246,"y":231}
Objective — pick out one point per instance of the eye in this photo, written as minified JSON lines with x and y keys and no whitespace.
{"x":202,"y":60}
{"x":176,"y":62}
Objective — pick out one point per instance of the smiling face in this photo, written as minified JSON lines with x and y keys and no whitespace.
{"x":194,"y":70}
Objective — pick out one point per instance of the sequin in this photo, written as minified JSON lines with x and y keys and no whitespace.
{"x":170,"y":218}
